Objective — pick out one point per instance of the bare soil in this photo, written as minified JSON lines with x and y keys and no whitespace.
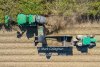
{"x":21,"y":52}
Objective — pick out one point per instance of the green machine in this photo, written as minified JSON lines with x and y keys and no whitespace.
{"x":21,"y":19}
{"x":87,"y":40}
{"x":7,"y":18}
{"x":30,"y":20}
{"x":26,"y":20}
{"x":35,"y":21}
{"x":84,"y":40}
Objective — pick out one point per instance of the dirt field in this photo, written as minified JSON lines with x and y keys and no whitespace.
{"x":15,"y":52}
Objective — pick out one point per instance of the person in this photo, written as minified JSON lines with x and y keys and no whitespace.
{"x":77,"y":41}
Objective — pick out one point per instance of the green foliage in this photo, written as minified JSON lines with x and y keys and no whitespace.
{"x":63,"y":7}
{"x":94,"y":8}
{"x":55,"y":7}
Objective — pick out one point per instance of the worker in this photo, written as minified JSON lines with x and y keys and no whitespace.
{"x":77,"y":41}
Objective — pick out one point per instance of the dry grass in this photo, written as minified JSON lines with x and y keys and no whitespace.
{"x":57,"y":23}
{"x":16,"y":52}
{"x":49,"y":64}
{"x":26,"y":55}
